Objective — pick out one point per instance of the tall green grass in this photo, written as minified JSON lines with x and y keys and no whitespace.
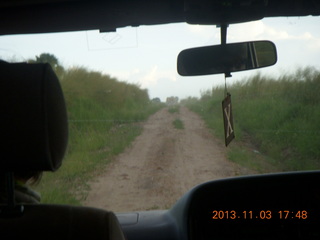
{"x":174,"y":109}
{"x":104,"y":116}
{"x":178,"y":124}
{"x":280,"y":117}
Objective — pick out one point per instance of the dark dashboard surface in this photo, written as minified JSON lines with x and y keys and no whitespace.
{"x":275,"y":206}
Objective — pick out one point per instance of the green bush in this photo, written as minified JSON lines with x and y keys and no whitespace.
{"x":281,"y":116}
{"x":178,"y":124}
{"x":103,"y":115}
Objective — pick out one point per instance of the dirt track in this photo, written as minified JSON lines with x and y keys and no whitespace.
{"x":161,"y":165}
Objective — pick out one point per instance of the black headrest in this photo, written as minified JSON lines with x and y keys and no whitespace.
{"x":33,"y":118}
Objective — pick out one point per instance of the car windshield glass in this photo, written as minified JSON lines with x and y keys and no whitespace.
{"x":141,"y":135}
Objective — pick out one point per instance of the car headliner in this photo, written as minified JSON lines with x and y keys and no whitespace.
{"x":43,"y":16}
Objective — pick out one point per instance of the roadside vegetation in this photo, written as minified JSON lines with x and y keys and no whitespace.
{"x":276,"y":120}
{"x":174,"y":109}
{"x":104,"y":116}
{"x":178,"y":124}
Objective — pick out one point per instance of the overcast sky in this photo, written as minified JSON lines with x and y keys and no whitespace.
{"x":147,"y":55}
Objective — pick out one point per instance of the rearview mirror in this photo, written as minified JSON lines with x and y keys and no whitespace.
{"x":226,"y":58}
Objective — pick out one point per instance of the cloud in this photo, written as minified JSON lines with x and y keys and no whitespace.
{"x":260,"y":30}
{"x":136,"y":71}
{"x":314,"y":45}
{"x":200,"y":29}
{"x":150,"y":78}
{"x":203,"y":33}
{"x":145,"y":78}
{"x":154,"y":75}
{"x":276,"y":34}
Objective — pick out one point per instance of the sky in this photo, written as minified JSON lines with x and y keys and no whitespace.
{"x":147,"y":55}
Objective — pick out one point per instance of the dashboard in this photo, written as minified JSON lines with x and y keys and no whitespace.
{"x":274,"y":206}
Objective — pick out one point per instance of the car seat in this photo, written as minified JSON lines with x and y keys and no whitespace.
{"x":34,"y":134}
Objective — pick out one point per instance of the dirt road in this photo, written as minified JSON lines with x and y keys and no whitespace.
{"x":161,"y":165}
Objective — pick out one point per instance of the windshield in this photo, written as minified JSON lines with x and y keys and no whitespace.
{"x":141,"y":136}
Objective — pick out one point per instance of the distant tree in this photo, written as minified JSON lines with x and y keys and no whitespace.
{"x":52,"y":60}
{"x":48,"y":58}
{"x":172,"y":101}
{"x":156,"y":100}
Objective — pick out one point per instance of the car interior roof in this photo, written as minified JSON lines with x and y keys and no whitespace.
{"x":43,"y":16}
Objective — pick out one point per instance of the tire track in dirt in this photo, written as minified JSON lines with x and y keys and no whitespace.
{"x":161,"y":165}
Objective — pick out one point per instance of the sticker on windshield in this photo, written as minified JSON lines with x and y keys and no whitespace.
{"x":228,"y":119}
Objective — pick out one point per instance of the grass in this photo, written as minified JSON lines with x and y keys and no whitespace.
{"x":251,"y":159}
{"x":277,"y":117}
{"x":174,"y":109}
{"x":178,"y":124}
{"x":104,"y":118}
{"x":69,"y":184}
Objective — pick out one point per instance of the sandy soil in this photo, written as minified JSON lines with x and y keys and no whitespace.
{"x":161,"y":165}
